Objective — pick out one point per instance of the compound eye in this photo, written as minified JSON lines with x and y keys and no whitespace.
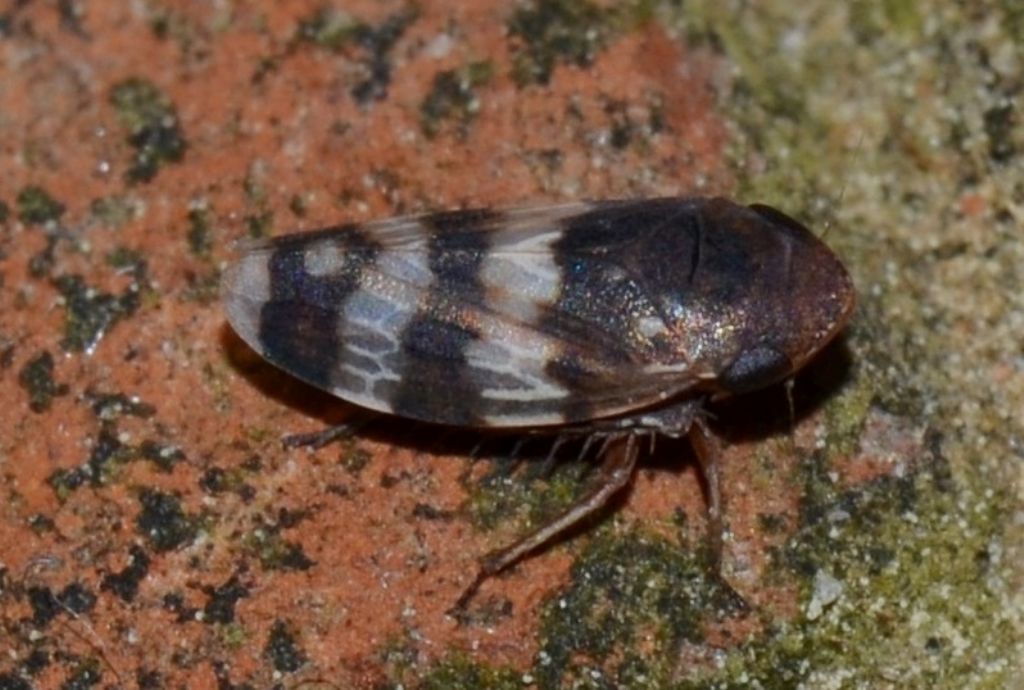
{"x":755,"y":368}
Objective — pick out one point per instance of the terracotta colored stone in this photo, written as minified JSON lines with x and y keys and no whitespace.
{"x":166,"y":539}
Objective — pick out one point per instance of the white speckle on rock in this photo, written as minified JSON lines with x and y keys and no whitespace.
{"x":439,"y":46}
{"x":827,"y":590}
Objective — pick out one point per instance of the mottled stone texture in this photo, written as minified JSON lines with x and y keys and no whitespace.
{"x":154,"y":532}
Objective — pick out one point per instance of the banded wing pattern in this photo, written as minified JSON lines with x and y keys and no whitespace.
{"x":512,"y":318}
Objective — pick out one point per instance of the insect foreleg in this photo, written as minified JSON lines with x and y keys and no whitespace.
{"x":328,"y":435}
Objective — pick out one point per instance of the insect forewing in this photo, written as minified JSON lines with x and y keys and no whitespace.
{"x":515,"y":318}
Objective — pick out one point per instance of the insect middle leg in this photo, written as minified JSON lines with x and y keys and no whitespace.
{"x":705,"y":447}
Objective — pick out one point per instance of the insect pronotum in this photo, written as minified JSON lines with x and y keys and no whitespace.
{"x":620,"y":319}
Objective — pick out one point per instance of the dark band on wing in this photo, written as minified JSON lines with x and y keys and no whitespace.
{"x":435,"y":379}
{"x":298,"y":325}
{"x":599,"y":301}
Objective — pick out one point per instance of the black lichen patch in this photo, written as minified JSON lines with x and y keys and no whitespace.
{"x":6,"y":349}
{"x":355,"y":460}
{"x":108,"y":452}
{"x":175,"y":603}
{"x":460,"y":673}
{"x":204,"y":280}
{"x":216,"y":481}
{"x":148,"y":679}
{"x":549,"y":32}
{"x":275,"y":552}
{"x":338,"y":31}
{"x":86,"y":675}
{"x":106,"y":456}
{"x":110,"y":406}
{"x":40,"y":524}
{"x":71,"y":15}
{"x":1002,"y":128}
{"x":5,"y":212}
{"x":282,"y":651}
{"x":864,"y":508}
{"x":506,"y":494}
{"x":125,"y":583}
{"x":65,"y":481}
{"x":41,"y":263}
{"x":37,"y":660}
{"x":200,"y":232}
{"x":220,"y":607}
{"x":331,"y":29}
{"x":10,"y":681}
{"x":36,"y":377}
{"x":153,"y":128}
{"x":299,"y":205}
{"x":163,"y":522}
{"x":222,"y":672}
{"x":771,"y":523}
{"x":626,"y":129}
{"x":75,"y":599}
{"x":259,"y":218}
{"x":425,"y":511}
{"x":164,"y":456}
{"x":37,"y":207}
{"x":115,"y":211}
{"x":90,"y":313}
{"x":628,"y":592}
{"x":131,"y":261}
{"x":169,"y":25}
{"x":44,"y":605}
{"x":377,"y":42}
{"x":260,"y":224}
{"x":453,"y":97}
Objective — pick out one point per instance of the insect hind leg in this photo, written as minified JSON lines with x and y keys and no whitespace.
{"x":617,"y":467}
{"x":706,"y":449}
